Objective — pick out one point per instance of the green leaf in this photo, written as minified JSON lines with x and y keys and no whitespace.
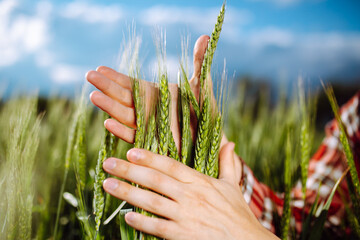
{"x":306,"y":224}
{"x":320,"y":221}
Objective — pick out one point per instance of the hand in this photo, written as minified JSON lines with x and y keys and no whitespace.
{"x":193,"y":205}
{"x":115,"y":97}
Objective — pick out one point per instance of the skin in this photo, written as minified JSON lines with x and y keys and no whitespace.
{"x":179,"y":194}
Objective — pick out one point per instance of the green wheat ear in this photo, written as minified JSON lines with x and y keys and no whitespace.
{"x":305,"y":141}
{"x":209,"y":54}
{"x":100,"y":175}
{"x":212,"y":164}
{"x":163,"y":115}
{"x":80,"y":143}
{"x":202,"y":141}
{"x":138,"y":97}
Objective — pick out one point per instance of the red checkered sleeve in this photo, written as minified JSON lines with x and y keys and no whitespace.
{"x":325,"y":167}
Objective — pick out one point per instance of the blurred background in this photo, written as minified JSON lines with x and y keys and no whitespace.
{"x":48,"y":46}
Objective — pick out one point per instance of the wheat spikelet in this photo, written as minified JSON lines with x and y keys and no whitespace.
{"x":163,"y":116}
{"x":202,"y":141}
{"x":173,"y":152}
{"x":140,"y":114}
{"x":154,"y":145}
{"x":150,"y":132}
{"x":212,"y":165}
{"x":99,"y":197}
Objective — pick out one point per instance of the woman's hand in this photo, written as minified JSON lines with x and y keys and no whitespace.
{"x":115,"y":97}
{"x":191,"y":205}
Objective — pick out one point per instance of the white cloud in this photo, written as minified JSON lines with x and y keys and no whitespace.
{"x":22,"y":34}
{"x":172,"y":68}
{"x":271,"y":50}
{"x":65,"y":73}
{"x":92,"y":13}
{"x":7,"y":6}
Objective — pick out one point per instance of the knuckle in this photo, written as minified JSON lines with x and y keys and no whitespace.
{"x":124,"y":169}
{"x":157,"y":179}
{"x":160,"y":228}
{"x":205,"y":180}
{"x":154,"y":204}
{"x":123,"y":190}
{"x":173,"y":168}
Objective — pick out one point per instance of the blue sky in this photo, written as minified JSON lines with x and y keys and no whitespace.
{"x":50,"y":45}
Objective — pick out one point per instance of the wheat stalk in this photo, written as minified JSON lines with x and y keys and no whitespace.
{"x":69,"y":151}
{"x":285,"y":219}
{"x":344,"y":140}
{"x":80,"y":144}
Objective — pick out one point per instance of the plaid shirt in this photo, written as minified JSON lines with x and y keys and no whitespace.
{"x":325,"y":167}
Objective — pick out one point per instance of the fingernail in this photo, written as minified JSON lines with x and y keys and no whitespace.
{"x":110,"y":184}
{"x":133,"y":154}
{"x":109,"y":164}
{"x":130,"y":217}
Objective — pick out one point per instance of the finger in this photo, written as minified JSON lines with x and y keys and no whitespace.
{"x":143,"y":176}
{"x":120,"y":130}
{"x":226,"y":162}
{"x":155,"y":226}
{"x":163,"y":164}
{"x":142,"y":198}
{"x":199,"y":51}
{"x":115,"y":76}
{"x":110,"y":88}
{"x":123,"y":114}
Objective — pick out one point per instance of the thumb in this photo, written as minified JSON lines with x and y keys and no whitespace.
{"x":227,"y":163}
{"x":199,"y":52}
